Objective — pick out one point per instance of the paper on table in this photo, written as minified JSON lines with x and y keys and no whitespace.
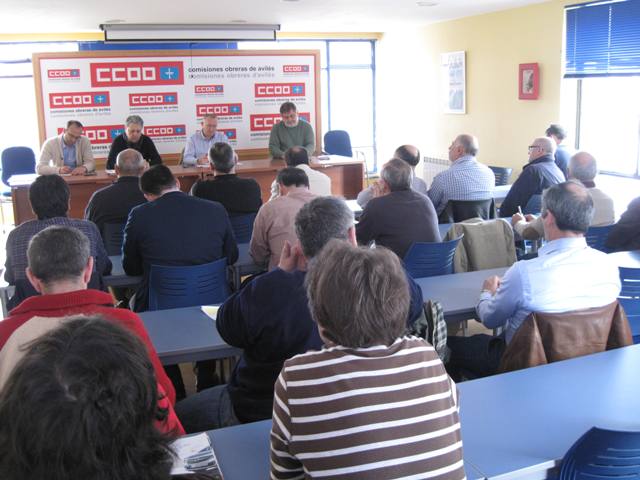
{"x":193,"y":454}
{"x":210,"y":310}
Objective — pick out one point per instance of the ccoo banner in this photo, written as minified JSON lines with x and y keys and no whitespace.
{"x":172,"y":91}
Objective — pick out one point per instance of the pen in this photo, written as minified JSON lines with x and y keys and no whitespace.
{"x":520,"y":211}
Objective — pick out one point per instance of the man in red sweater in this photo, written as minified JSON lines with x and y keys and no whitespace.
{"x":59,"y":269}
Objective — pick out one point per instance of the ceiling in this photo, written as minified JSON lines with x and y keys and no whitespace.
{"x":27,"y":16}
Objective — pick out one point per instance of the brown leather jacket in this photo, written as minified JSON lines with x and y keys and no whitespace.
{"x":550,"y":337}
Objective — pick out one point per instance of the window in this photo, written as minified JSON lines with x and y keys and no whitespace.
{"x":347,"y":85}
{"x":19,"y":123}
{"x":603,"y":53}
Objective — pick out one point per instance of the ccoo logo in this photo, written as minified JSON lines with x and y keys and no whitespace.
{"x":147,"y":99}
{"x":166,"y":131}
{"x":79,"y":99}
{"x":295,"y":68}
{"x":268,"y":90}
{"x":204,"y":89}
{"x":122,"y":74}
{"x":231,"y":133}
{"x":261,"y":122}
{"x":100,"y":134}
{"x":221,"y":109}
{"x":64,"y":73}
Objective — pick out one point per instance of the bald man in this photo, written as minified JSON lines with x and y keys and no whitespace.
{"x":582,"y":167}
{"x":465,"y":179}
{"x":539,"y":174}
{"x":112,"y":204}
{"x":407,"y":153}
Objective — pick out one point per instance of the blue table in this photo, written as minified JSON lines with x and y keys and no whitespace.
{"x":515,"y":425}
{"x":185,"y":335}
{"x":458,"y":293}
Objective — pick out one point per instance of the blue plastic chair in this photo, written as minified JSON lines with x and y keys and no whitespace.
{"x":431,"y":259}
{"x":629,"y":298}
{"x":112,"y":235}
{"x":603,"y":454}
{"x":16,"y":161}
{"x":338,"y":142}
{"x":597,"y":237}
{"x":242,"y":226}
{"x":187,"y":286}
{"x":534,"y":205}
{"x":502,"y":174}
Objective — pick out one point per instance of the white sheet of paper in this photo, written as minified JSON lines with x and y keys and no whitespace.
{"x":210,"y":310}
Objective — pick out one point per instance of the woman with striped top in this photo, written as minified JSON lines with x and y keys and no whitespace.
{"x":372,"y":404}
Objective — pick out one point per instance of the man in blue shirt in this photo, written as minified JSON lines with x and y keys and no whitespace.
{"x":197,"y":150}
{"x":567,"y":275}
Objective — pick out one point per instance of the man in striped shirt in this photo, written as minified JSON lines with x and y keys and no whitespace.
{"x":372,"y":403}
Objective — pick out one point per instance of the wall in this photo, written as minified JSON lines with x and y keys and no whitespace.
{"x":409,"y":105}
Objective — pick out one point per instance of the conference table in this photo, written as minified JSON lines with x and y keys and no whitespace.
{"x":346,"y":173}
{"x":516,"y":425}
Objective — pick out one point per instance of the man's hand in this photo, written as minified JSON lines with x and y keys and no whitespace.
{"x":203,"y":160}
{"x":529,"y":218}
{"x":517,"y":218}
{"x":64,"y":170}
{"x":292,"y":258}
{"x":491,"y":284}
{"x":81,"y":170}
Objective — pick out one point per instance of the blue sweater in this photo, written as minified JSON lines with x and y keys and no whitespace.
{"x":270,"y":320}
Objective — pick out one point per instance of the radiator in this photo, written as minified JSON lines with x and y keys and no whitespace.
{"x":432,"y":166}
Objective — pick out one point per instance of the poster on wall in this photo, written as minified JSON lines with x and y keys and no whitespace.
{"x":454,"y":94}
{"x":172,"y":91}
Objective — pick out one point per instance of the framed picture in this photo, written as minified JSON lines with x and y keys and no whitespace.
{"x":454,"y":92}
{"x":528,"y":81}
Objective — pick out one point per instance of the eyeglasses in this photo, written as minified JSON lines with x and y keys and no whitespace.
{"x":533,"y":147}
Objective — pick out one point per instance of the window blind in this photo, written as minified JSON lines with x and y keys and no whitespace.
{"x":602,"y":39}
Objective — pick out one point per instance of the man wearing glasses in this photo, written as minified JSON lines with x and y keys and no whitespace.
{"x":540,"y":173}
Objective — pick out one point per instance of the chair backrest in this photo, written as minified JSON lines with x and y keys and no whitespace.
{"x":186,"y":286}
{"x":534,"y":205}
{"x":602,"y":454}
{"x":338,"y":142}
{"x":551,"y":337}
{"x":502,"y":174}
{"x":461,"y":210}
{"x":16,"y":161}
{"x":597,"y":237}
{"x":112,"y":234}
{"x":242,"y":226}
{"x":430,"y":259}
{"x":629,"y":298}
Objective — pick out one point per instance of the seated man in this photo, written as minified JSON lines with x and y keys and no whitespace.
{"x":61,"y":275}
{"x":625,"y":235}
{"x":567,"y":275}
{"x":401,"y":216}
{"x":198,"y":146}
{"x":81,"y":405}
{"x":113,"y":203}
{"x":562,"y":155}
{"x":274,"y":223}
{"x":132,"y":137}
{"x":582,"y":167}
{"x":270,"y":320}
{"x":67,"y":153}
{"x":373,"y":403}
{"x":319,"y":183}
{"x":409,"y":154}
{"x":173,"y":228}
{"x":49,"y":199}
{"x":466,"y":179}
{"x":540,"y":173}
{"x":237,"y":195}
{"x":292,"y":131}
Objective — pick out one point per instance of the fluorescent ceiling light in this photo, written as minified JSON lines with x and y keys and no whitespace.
{"x":149,"y":32}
